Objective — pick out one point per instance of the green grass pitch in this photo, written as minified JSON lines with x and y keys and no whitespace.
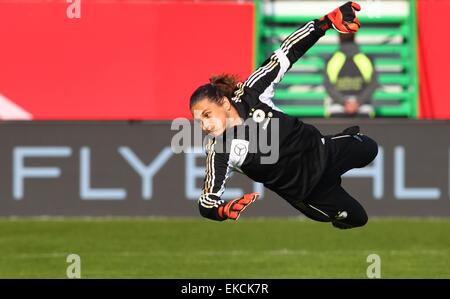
{"x":198,"y":248}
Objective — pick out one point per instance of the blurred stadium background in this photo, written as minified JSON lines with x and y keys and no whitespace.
{"x":86,"y":165}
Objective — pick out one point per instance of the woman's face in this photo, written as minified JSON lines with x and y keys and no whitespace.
{"x":212,"y":116}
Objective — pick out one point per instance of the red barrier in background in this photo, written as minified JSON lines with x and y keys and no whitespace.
{"x":120,"y":60}
{"x":434,"y":62}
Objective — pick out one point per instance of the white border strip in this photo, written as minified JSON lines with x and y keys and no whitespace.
{"x":11,"y":111}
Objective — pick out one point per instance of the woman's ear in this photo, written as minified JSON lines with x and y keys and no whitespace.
{"x":226,"y":103}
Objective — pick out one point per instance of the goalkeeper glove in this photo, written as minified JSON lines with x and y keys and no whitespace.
{"x":234,"y":208}
{"x":343,"y":18}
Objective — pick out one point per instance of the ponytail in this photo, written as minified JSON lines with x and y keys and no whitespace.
{"x":220,"y":86}
{"x":225,"y":83}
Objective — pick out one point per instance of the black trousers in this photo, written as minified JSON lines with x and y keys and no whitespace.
{"x":328,"y":201}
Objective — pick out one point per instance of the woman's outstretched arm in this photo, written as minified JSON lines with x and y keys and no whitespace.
{"x":261,"y":83}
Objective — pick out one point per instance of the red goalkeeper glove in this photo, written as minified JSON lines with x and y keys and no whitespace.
{"x":234,"y":208}
{"x":343,"y":18}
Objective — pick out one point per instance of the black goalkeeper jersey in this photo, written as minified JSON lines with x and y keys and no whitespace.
{"x":294,"y":159}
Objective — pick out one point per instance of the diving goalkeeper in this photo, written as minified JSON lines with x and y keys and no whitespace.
{"x":309,"y":167}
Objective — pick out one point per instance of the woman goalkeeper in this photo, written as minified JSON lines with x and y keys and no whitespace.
{"x":308,"y":170}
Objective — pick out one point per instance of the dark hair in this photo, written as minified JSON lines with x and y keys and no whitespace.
{"x":218,"y":87}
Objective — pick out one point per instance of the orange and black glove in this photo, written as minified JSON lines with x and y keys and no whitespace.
{"x":343,"y":18}
{"x":233,"y":209}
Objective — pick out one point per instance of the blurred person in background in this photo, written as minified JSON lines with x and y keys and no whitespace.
{"x":350,"y":81}
{"x":307,"y":171}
